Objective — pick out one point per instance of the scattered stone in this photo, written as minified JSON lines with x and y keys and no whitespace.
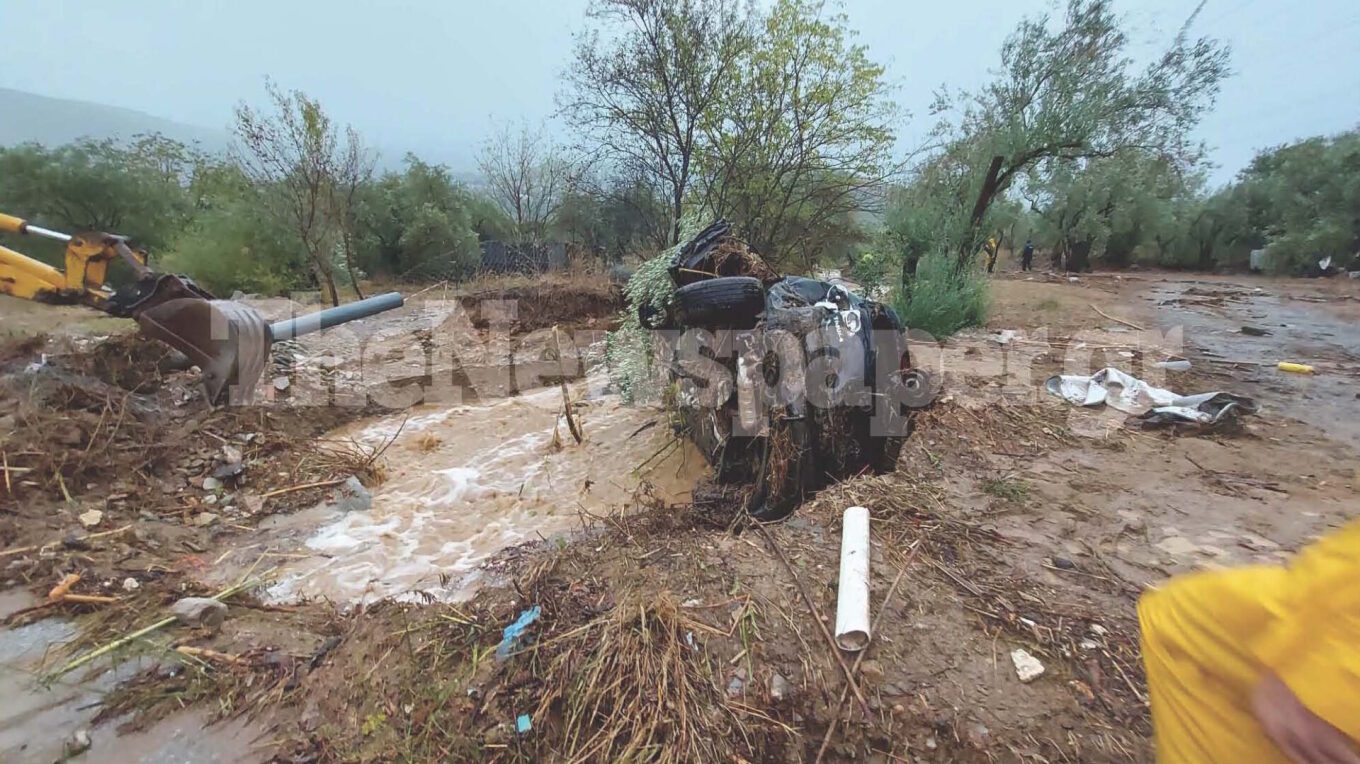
{"x":1063,"y":563}
{"x":281,"y":383}
{"x":252,"y":504}
{"x":1089,"y":644}
{"x":977,"y":735}
{"x":1177,"y":546}
{"x":1257,"y":543}
{"x":210,"y":499}
{"x":931,"y":744}
{"x":91,"y":518}
{"x":351,"y":496}
{"x":231,"y":454}
{"x":872,"y":671}
{"x":229,"y":470}
{"x":204,"y":519}
{"x":780,"y":687}
{"x":199,"y":611}
{"x":1099,"y":630}
{"x":130,"y":584}
{"x":78,"y":743}
{"x":1027,"y":667}
{"x":734,"y":687}
{"x":1253,"y":331}
{"x":212,"y":484}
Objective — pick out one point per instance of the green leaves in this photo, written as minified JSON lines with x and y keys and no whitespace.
{"x":801,"y":136}
{"x":421,"y":225}
{"x":138,"y":190}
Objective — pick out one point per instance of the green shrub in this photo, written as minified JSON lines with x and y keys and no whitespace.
{"x":629,"y":349}
{"x":943,"y":299}
{"x":236,"y":244}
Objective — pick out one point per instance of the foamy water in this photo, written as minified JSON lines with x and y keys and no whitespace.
{"x":493,"y":480}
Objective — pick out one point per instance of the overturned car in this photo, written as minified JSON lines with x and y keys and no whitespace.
{"x":782,"y":382}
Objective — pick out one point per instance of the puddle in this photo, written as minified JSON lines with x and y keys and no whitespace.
{"x":184,"y":738}
{"x":465,"y":482}
{"x":1299,"y":331}
{"x":37,"y":720}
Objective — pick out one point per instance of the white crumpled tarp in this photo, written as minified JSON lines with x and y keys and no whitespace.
{"x":1129,"y":394}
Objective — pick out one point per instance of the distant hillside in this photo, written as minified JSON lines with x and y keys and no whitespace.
{"x":55,"y":121}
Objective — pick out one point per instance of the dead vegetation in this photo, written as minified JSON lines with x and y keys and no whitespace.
{"x":523,"y":304}
{"x":670,"y":633}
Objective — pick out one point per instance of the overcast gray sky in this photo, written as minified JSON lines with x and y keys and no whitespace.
{"x":428,"y":75}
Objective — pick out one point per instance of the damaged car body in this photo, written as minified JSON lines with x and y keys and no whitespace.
{"x":783,"y":382}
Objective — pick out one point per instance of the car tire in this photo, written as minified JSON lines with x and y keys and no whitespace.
{"x":729,"y":302}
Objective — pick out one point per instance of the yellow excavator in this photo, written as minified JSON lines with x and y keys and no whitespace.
{"x":229,"y":341}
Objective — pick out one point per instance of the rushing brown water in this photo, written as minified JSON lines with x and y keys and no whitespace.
{"x":465,"y":482}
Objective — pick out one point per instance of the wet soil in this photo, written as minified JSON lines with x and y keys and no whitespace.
{"x":1038,"y":525}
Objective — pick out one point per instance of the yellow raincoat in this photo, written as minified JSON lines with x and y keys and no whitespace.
{"x":1209,"y":637}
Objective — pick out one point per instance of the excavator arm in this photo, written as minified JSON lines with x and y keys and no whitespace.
{"x":229,"y":342}
{"x":87,"y":263}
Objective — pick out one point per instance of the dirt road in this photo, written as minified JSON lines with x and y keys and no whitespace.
{"x":1038,"y":525}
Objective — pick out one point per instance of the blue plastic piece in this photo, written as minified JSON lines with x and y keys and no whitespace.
{"x":514,"y":631}
{"x":523,"y":724}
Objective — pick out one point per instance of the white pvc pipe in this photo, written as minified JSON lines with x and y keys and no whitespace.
{"x":852,"y":596}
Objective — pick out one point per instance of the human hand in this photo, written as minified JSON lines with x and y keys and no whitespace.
{"x":1304,"y":736}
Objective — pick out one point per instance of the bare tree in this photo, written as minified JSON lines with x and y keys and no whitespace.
{"x":298,"y":151}
{"x":526,"y":175}
{"x":641,"y":92}
{"x":354,"y":168}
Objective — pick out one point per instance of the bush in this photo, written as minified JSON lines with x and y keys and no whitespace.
{"x":943,"y":299}
{"x":236,"y":244}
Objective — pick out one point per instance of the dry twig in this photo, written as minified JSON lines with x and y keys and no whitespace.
{"x":817,"y":616}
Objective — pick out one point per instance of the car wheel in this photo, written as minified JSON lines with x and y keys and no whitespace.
{"x":730,"y":302}
{"x":784,"y":472}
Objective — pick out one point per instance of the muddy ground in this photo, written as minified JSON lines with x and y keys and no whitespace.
{"x":664,"y":630}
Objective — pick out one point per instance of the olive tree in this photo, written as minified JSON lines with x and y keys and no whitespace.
{"x":1069,"y":90}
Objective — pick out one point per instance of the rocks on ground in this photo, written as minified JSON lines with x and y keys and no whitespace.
{"x":200,"y":611}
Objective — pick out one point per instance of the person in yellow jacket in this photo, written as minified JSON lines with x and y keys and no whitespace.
{"x":990,"y":249}
{"x":1259,"y":665}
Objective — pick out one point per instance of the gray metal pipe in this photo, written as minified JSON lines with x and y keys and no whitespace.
{"x":325,"y":319}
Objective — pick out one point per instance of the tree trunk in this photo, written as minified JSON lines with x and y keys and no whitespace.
{"x":909,"y":263}
{"x":349,"y":264}
{"x":326,"y":280}
{"x":676,"y":203}
{"x":990,"y":185}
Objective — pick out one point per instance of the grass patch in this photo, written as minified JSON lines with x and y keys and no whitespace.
{"x":1048,"y":304}
{"x":944,"y":300}
{"x":1006,"y":488}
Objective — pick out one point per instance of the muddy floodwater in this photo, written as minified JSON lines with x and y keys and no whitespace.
{"x":1212,"y":316}
{"x":465,"y":482}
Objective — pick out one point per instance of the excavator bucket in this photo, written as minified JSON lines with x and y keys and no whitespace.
{"x":228,"y":341}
